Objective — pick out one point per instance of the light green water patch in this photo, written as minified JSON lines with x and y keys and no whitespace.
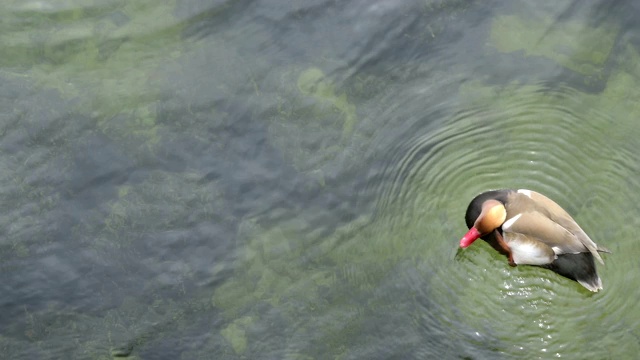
{"x":331,"y":298}
{"x":559,"y":141}
{"x":578,"y":138}
{"x":578,"y":46}
{"x":271,"y":267}
{"x":312,"y":82}
{"x":618,"y":97}
{"x":615,"y":105}
{"x":578,"y":148}
{"x":323,"y":287}
{"x":105,"y":60}
{"x":236,"y":335}
{"x":314,"y":123}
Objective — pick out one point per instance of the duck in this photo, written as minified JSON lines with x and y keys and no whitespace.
{"x":531,"y":229}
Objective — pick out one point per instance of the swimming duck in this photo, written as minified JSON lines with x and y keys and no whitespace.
{"x":531,"y":229}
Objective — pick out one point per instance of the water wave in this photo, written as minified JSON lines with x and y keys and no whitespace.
{"x":548,"y":140}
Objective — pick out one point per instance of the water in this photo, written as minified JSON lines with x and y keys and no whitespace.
{"x":187,"y":179}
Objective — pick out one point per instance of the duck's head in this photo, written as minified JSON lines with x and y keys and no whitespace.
{"x":483,"y":217}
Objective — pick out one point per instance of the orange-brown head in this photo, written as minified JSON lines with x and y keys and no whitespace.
{"x":492,"y":215}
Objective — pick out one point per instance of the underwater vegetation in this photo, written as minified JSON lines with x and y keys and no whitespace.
{"x":116,"y":78}
{"x":109,"y":68}
{"x":577,"y":46}
{"x":301,"y":280}
{"x":314,"y":124}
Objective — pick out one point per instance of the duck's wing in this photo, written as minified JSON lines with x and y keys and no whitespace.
{"x":527,"y":250}
{"x":539,"y":227}
{"x":558,"y":215}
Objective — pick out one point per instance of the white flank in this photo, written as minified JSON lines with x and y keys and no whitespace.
{"x":529,"y":254}
{"x":525,"y":192}
{"x":507,"y":224}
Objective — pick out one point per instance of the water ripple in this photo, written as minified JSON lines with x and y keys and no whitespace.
{"x":550,"y":140}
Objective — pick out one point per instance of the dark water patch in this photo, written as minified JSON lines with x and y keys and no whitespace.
{"x":99,"y":164}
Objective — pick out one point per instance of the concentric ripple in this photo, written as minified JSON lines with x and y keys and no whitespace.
{"x":573,"y":147}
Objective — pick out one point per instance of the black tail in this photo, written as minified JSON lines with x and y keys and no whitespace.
{"x":579,"y":267}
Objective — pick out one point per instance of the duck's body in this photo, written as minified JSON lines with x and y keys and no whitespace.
{"x":531,"y":229}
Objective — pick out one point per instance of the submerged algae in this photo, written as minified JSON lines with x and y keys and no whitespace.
{"x":312,"y":82}
{"x":235,"y":334}
{"x":576,"y":46}
{"x":270,"y":267}
{"x":323,"y":287}
{"x":107,"y":59}
{"x":314,"y":124}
